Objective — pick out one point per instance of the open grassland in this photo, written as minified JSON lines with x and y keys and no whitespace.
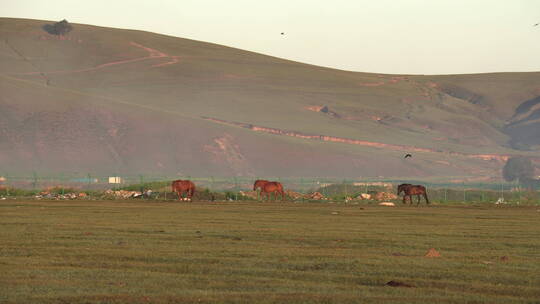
{"x":170,"y":252}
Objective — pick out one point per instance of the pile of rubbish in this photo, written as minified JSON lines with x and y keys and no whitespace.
{"x":125,"y":194}
{"x":384,"y":196}
{"x":315,"y":196}
{"x":293,"y":194}
{"x":250,"y":194}
{"x":364,"y":196}
{"x":58,"y":196}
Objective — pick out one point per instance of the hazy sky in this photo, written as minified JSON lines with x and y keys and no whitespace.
{"x":407,"y":36}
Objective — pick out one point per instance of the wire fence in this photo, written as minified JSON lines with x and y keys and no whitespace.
{"x":339,"y":189}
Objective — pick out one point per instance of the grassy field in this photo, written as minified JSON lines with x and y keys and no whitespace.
{"x":170,"y":252}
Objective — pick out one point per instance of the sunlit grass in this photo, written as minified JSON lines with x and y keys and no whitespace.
{"x":162,"y":252}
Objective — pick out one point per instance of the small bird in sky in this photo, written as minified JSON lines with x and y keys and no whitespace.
{"x":407,"y":155}
{"x":282,"y":33}
{"x":533,"y":25}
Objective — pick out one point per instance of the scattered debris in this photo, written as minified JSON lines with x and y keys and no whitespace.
{"x":504,"y":259}
{"x":250,"y":194}
{"x":385,"y":196}
{"x":335,"y":213}
{"x":398,"y":254}
{"x":364,"y":196}
{"x":123,"y":193}
{"x":398,"y":284}
{"x":432,"y":253}
{"x":389,"y":204}
{"x":315,"y":196}
{"x":293,"y":194}
{"x":500,"y":201}
{"x":48,"y":195}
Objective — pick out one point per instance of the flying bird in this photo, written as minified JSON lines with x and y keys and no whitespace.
{"x":282,"y":33}
{"x":537,"y":24}
{"x":407,"y":155}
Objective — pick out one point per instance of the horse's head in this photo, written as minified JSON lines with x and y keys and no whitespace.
{"x":402,"y":188}
{"x":259,"y":184}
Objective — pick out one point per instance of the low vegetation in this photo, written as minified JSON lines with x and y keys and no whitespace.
{"x":233,"y":252}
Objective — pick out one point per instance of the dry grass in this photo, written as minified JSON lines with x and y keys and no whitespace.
{"x":150,"y":252}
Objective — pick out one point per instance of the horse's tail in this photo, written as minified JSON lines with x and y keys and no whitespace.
{"x":425,"y":196}
{"x":424,"y":193}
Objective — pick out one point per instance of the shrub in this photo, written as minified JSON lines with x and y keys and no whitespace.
{"x":59,"y":28}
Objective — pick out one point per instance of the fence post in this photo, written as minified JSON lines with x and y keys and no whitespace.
{"x":345,"y":185}
{"x":518,"y":187}
{"x":7,"y":186}
{"x":235,"y":189}
{"x":445,"y":195}
{"x":34,"y":183}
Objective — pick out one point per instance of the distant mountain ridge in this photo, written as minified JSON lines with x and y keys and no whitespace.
{"x":106,"y":101}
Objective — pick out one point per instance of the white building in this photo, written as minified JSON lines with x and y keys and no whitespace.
{"x":115,"y":180}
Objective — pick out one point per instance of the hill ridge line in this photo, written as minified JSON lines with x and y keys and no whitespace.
{"x":328,"y":138}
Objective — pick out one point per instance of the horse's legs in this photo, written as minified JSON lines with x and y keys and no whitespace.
{"x":418,"y":196}
{"x":425,"y":196}
{"x":404,"y":197}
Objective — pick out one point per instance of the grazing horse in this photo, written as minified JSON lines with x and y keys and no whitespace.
{"x":409,"y":190}
{"x":275,"y":187}
{"x":259,"y":184}
{"x":181,"y":186}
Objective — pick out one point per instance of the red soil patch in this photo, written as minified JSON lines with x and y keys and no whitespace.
{"x":487,"y":157}
{"x":432,"y":253}
{"x":314,"y":108}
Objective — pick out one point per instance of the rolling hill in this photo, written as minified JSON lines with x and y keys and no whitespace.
{"x":106,"y":101}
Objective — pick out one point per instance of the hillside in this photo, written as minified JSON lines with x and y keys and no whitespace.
{"x":113,"y":101}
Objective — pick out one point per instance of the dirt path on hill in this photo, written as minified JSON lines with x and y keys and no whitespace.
{"x":152,"y":54}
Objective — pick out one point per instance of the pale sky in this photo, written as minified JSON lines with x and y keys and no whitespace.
{"x":384,"y":36}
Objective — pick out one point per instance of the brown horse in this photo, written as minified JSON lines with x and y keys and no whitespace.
{"x":259,"y":184}
{"x":409,"y":190}
{"x":181,"y":186}
{"x":273,"y":187}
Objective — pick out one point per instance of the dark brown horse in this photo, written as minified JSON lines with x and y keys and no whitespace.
{"x":409,"y":190}
{"x":273,"y":187}
{"x":181,"y":186}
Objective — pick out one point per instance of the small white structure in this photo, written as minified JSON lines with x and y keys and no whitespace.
{"x":2,"y":179}
{"x":115,"y":180}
